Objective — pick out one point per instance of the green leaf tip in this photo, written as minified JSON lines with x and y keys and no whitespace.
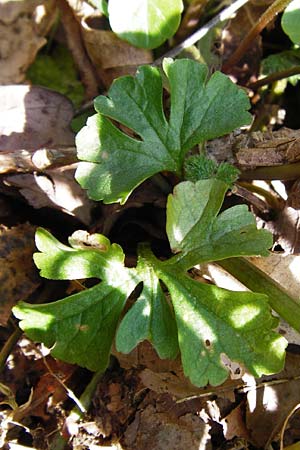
{"x":202,"y":108}
{"x":198,"y":233}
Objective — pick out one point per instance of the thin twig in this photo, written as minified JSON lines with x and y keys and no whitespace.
{"x":226,"y":14}
{"x":8,"y":346}
{"x":274,"y":9}
{"x":275,"y":77}
{"x":285,"y":424}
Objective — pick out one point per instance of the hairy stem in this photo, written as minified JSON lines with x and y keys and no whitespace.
{"x":266,"y":17}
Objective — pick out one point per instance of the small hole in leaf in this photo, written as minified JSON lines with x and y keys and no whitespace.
{"x":207,"y":343}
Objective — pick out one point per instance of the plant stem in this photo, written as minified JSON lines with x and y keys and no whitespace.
{"x":271,"y":199}
{"x":86,"y":397}
{"x":265,"y":18}
{"x":283,"y":172}
{"x":255,"y":279}
{"x":275,"y":77}
{"x":8,"y":346}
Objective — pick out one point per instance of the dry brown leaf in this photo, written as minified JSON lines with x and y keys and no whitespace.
{"x":23,"y":25}
{"x":234,"y":424}
{"x":152,"y":430}
{"x":237,"y":29}
{"x":33,"y":117}
{"x":269,"y":403}
{"x":54,"y":188}
{"x":110,"y":56}
{"x":18,"y":276}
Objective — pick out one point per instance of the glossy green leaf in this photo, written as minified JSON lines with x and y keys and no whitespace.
{"x":290,"y":21}
{"x":196,"y":230}
{"x":79,"y":329}
{"x":115,"y":163}
{"x":213,"y":322}
{"x":61,"y":262}
{"x":149,"y":318}
{"x":207,"y":322}
{"x":145,"y":23}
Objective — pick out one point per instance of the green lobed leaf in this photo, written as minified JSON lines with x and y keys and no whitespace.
{"x":61,"y":262}
{"x":149,"y":318}
{"x":212,"y":321}
{"x":290,"y":21}
{"x":145,"y":23}
{"x":114,"y":163}
{"x":196,"y":230}
{"x":79,"y":329}
{"x":206,"y":321}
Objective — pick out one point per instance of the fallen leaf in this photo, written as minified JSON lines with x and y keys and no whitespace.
{"x":152,"y":430}
{"x":18,"y":275}
{"x":23,"y":26}
{"x":116,"y":57}
{"x":54,"y":188}
{"x":111,"y":56}
{"x":270,"y":402}
{"x":32,"y":117}
{"x":234,"y":424}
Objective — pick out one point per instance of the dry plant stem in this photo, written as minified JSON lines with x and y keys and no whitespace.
{"x":75,"y":44}
{"x":266,"y":17}
{"x":284,"y":172}
{"x":23,"y":161}
{"x":190,"y":19}
{"x":240,"y":388}
{"x":8,"y":347}
{"x":242,"y":190}
{"x":271,"y":199}
{"x":285,"y":424}
{"x":275,"y":77}
{"x":257,"y":281}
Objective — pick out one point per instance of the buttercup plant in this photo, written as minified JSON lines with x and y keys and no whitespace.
{"x":174,"y":312}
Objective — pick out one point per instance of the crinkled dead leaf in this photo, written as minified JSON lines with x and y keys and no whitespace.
{"x":54,"y":188}
{"x":116,"y":57}
{"x":201,"y":109}
{"x":23,"y":26}
{"x":18,"y":276}
{"x":158,"y":429}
